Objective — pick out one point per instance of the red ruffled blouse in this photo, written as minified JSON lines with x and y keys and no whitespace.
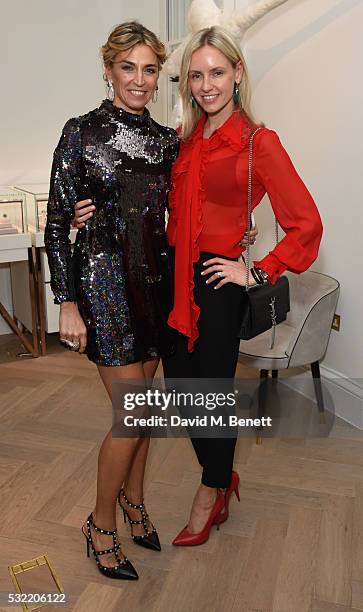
{"x":208,"y":208}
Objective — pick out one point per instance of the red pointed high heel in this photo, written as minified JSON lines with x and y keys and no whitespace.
{"x":185,"y":538}
{"x":233,"y":488}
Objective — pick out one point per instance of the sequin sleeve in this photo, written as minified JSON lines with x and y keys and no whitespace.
{"x":173,"y":154}
{"x":64,"y":193}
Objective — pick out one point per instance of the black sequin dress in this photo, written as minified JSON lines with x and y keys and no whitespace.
{"x":119,"y":272}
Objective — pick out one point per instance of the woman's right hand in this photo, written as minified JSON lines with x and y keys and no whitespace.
{"x":71,"y":325}
{"x":83,"y":210}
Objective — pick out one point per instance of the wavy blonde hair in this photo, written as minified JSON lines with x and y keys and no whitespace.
{"x":125,"y":36}
{"x":220,"y":39}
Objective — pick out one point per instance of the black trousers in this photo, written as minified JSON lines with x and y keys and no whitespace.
{"x":215,"y":356}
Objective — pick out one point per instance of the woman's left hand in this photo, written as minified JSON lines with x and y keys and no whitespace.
{"x":226,"y":271}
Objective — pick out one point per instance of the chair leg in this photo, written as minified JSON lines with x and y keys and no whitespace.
{"x":275,"y":374}
{"x":315,"y":371}
{"x":262,"y":398}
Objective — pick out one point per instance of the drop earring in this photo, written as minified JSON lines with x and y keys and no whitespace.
{"x":110,"y":91}
{"x":236,"y":93}
{"x":193,"y":101}
{"x":155,"y":95}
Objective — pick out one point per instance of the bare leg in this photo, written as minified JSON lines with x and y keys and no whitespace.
{"x":133,"y":485}
{"x":114,"y":460}
{"x":150,"y":366}
{"x":202,"y":505}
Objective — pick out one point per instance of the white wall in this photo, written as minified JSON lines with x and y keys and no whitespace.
{"x":50,"y":71}
{"x":306,"y":61}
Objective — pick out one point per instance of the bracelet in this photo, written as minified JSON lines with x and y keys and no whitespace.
{"x":254,"y":274}
{"x":260,"y":276}
{"x":263,"y":275}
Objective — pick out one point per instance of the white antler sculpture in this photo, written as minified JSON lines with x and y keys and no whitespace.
{"x":241,"y":21}
{"x":205,"y":13}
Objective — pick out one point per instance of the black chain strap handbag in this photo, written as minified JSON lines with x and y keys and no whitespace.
{"x":265,"y":305}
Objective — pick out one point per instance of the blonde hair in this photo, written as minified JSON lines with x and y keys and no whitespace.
{"x":220,"y":39}
{"x":125,"y":36}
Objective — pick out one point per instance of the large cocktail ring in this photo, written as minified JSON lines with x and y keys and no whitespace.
{"x":74,"y":346}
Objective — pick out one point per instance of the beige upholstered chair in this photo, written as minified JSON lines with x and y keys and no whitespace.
{"x":303,"y":338}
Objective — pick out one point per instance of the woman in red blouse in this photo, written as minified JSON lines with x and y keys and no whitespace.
{"x":208,"y":216}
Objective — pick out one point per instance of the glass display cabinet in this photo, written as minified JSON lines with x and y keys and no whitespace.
{"x":12,"y":212}
{"x":15,"y":246}
{"x":36,"y":199}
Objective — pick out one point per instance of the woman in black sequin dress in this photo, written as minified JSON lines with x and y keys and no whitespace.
{"x":114,"y":291}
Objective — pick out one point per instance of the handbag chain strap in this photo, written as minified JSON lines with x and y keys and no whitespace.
{"x":249,"y":202}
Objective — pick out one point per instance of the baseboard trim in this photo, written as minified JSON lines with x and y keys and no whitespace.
{"x":346,"y":393}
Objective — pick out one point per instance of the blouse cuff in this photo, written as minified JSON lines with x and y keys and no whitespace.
{"x":272,"y":266}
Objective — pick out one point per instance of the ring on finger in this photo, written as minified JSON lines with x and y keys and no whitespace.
{"x":73,"y":345}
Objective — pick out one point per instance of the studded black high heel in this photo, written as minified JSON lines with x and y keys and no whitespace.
{"x":124,"y":570}
{"x":149,"y":539}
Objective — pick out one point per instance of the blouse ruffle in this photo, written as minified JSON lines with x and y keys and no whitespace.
{"x":184,"y":228}
{"x":185,"y":225}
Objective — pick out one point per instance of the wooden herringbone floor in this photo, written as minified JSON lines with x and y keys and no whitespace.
{"x":293,"y":544}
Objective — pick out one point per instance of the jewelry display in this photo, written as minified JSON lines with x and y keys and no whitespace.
{"x":11,"y":213}
{"x":42,"y":218}
{"x":35,"y":202}
{"x":7,"y":228}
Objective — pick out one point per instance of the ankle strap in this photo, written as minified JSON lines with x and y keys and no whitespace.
{"x":105,"y":531}
{"x":135,"y":506}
